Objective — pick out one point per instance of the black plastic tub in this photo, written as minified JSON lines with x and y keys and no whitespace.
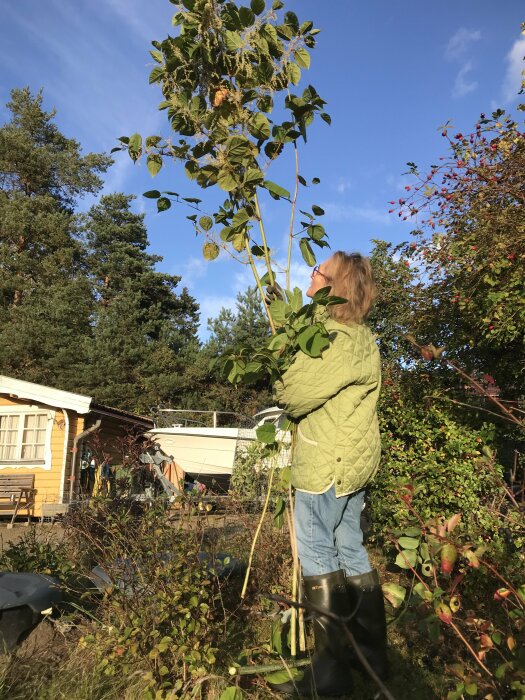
{"x":25,"y":599}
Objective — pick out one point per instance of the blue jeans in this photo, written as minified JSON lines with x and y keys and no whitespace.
{"x":329,"y":535}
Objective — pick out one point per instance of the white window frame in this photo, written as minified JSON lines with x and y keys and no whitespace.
{"x":22,"y":412}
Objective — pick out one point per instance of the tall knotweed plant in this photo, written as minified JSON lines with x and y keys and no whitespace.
{"x":229,"y":78}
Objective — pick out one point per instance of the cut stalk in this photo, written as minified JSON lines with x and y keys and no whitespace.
{"x":259,"y":526}
{"x":292,"y":217}
{"x":264,"y":240}
{"x":259,"y":285}
{"x":267,"y":668}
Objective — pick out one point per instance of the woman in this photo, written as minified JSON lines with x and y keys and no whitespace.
{"x":333,"y":401}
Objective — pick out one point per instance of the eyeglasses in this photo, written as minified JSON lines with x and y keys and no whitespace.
{"x":317,"y":271}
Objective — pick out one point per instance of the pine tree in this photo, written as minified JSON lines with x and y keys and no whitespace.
{"x":143,"y":330}
{"x":44,"y":298}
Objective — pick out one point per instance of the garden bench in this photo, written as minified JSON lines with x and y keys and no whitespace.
{"x":17,"y":492}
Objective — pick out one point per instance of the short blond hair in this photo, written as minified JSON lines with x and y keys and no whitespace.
{"x":351,"y":278}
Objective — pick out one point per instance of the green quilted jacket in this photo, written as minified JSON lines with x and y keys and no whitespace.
{"x":333,"y":401}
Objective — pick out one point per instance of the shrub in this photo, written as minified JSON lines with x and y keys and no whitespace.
{"x":159,"y":618}
{"x":447,"y":464}
{"x":40,"y":555}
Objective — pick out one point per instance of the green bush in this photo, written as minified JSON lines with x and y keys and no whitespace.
{"x":39,"y":554}
{"x":249,"y":478}
{"x":447,"y":465}
{"x":159,"y":618}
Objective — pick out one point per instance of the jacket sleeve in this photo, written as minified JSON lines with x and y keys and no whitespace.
{"x":311,"y":381}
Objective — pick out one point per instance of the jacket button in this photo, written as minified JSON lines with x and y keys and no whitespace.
{"x":338,"y":459}
{"x":339,"y":482}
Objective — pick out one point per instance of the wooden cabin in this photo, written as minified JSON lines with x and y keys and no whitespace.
{"x":54,"y":435}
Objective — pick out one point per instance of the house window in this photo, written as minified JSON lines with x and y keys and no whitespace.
{"x":23,"y":437}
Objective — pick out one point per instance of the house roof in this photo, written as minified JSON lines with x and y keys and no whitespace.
{"x":20,"y":389}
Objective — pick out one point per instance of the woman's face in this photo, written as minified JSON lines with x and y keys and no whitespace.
{"x":320,"y":277}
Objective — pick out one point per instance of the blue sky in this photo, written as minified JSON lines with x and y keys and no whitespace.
{"x":391,"y":72}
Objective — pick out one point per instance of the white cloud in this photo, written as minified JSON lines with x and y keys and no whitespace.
{"x":132,"y":14}
{"x":210,"y":306}
{"x":343,"y":185}
{"x":457,"y":51}
{"x":349,"y":212}
{"x":514,"y":74}
{"x":194,"y":269}
{"x":459,"y":43}
{"x":462,"y":86}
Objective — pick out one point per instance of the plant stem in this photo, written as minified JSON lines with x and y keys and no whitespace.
{"x":292,"y":217}
{"x":259,"y":526}
{"x":259,"y":286}
{"x":267,"y":668}
{"x":504,"y":581}
{"x":293,"y":616}
{"x":481,"y":389}
{"x":462,"y":403}
{"x":471,"y":650}
{"x":264,"y":240}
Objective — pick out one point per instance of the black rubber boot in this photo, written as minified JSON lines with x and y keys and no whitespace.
{"x":329,"y":673}
{"x":368,"y":623}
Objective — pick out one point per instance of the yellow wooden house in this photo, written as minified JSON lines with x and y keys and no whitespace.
{"x":49,"y":433}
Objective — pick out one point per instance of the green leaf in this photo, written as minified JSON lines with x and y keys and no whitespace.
{"x":471,"y":689}
{"x":317,"y":210}
{"x":278,"y":310}
{"x":279,"y":341}
{"x":232,"y":693}
{"x":233,"y":40}
{"x":226,"y":181}
{"x":284,"y":676}
{"x":291,"y":20}
{"x":246,"y":16}
{"x":153,"y":141}
{"x":394,"y":593}
{"x":407,"y":559}
{"x":238,"y":241}
{"x":253,"y":175}
{"x":240,"y":218}
{"x":257,"y":251}
{"x":156,"y":74}
{"x":427,"y":568}
{"x":326,"y":118}
{"x":154,"y":163}
{"x":307,"y":252}
{"x":316,"y":232}
{"x":285,"y":477}
{"x":210,"y":251}
{"x":266,"y":433}
{"x":422,"y":592}
{"x":295,"y":299}
{"x":302,"y":58}
{"x":313,"y":341}
{"x":135,"y":146}
{"x":259,"y":126}
{"x":277,"y":5}
{"x":276,"y":190}
{"x":408,"y":543}
{"x":293,"y":73}
{"x":412,"y":531}
{"x":257,"y":6}
{"x":152,"y":194}
{"x":205,"y":223}
{"x":163,"y":203}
